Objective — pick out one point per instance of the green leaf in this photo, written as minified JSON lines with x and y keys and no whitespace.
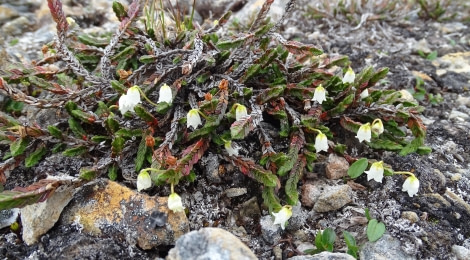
{"x":351,"y":244}
{"x":119,"y":10}
{"x":83,"y":116}
{"x":250,"y":72}
{"x":270,"y":93}
{"x":145,"y":115}
{"x":385,"y":145}
{"x":113,"y":172}
{"x":20,"y":197}
{"x":111,"y":124}
{"x":382,"y":73}
{"x":77,"y":128}
{"x":87,"y":174}
{"x":75,"y":151}
{"x":367,"y":213}
{"x":93,"y":41}
{"x":358,"y":167}
{"x":375,"y":230}
{"x":35,"y":156}
{"x":117,"y":145}
{"x":18,"y":146}
{"x":328,"y":239}
{"x":271,"y":200}
{"x":120,"y":88}
{"x":241,"y":128}
{"x":139,"y":160}
{"x":412,"y":146}
{"x":163,"y":107}
{"x":424,"y":150}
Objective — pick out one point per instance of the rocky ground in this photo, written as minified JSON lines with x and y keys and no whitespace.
{"x":107,"y":220}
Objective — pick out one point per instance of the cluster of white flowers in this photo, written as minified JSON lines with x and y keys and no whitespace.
{"x":365,"y":130}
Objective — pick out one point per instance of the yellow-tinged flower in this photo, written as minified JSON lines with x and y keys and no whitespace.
{"x":320,"y":94}
{"x":376,"y":172}
{"x":128,"y":101}
{"x":411,"y":185}
{"x":174,"y":203}
{"x":193,"y":119}
{"x":377,"y":126}
{"x":321,"y":142}
{"x":364,"y":132}
{"x":240,"y":112}
{"x":165,"y":94}
{"x":349,"y":76}
{"x":406,"y":95}
{"x":231,"y":148}
{"x":283,"y":216}
{"x":143,"y":181}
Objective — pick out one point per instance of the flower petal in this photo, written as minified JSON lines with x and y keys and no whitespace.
{"x":193,"y":118}
{"x":174,"y":203}
{"x":283,"y":216}
{"x":143,"y":181}
{"x":321,"y":143}
{"x":165,"y":94}
{"x":364,"y":133}
{"x":320,"y":94}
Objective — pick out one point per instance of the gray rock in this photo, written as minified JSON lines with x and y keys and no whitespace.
{"x":19,"y":25}
{"x":311,"y":191}
{"x":305,"y":246}
{"x":324,"y":256}
{"x":298,"y":219}
{"x":410,"y":215}
{"x":105,"y":208}
{"x":465,"y":101}
{"x":387,"y":247}
{"x":333,"y":198}
{"x":337,"y":167}
{"x":7,"y":13}
{"x":271,"y":233}
{"x":458,"y":116}
{"x":252,"y":7}
{"x":235,"y":192}
{"x":210,"y":243}
{"x":8,"y":217}
{"x":38,"y":218}
{"x":250,"y":209}
{"x":461,"y":252}
{"x":211,"y":168}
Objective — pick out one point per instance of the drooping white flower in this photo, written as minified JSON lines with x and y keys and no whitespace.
{"x":349,"y":76}
{"x":376,"y":172}
{"x":321,"y":142}
{"x":240,"y":112}
{"x":283,"y":216}
{"x":364,"y":133}
{"x":143,"y":181}
{"x":320,"y":94}
{"x":128,"y":101}
{"x":411,"y":185}
{"x":165,"y":94}
{"x":377,"y":126}
{"x":364,"y":93}
{"x":231,"y":148}
{"x":406,"y":95}
{"x":193,"y":118}
{"x":174,"y":203}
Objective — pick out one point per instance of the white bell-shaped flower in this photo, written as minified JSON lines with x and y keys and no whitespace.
{"x":377,"y":126}
{"x":240,"y":112}
{"x":174,"y":203}
{"x":193,"y":118}
{"x":364,"y":133}
{"x":406,"y":95}
{"x":143,"y":181}
{"x":320,"y":94}
{"x":128,"y":101}
{"x":231,"y":148}
{"x":411,"y":185}
{"x":165,"y":94}
{"x":321,"y":142}
{"x":376,"y":172}
{"x":283,"y":216}
{"x":349,"y":76}
{"x":364,"y":93}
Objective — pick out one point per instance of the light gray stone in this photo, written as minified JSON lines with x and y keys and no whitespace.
{"x":298,"y":219}
{"x":210,"y":243}
{"x":270,"y":232}
{"x":324,"y":256}
{"x":461,"y":252}
{"x":252,"y":7}
{"x":387,"y":247}
{"x":337,"y":167}
{"x":410,"y":215}
{"x":38,"y":218}
{"x":8,"y":217}
{"x":333,"y":198}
